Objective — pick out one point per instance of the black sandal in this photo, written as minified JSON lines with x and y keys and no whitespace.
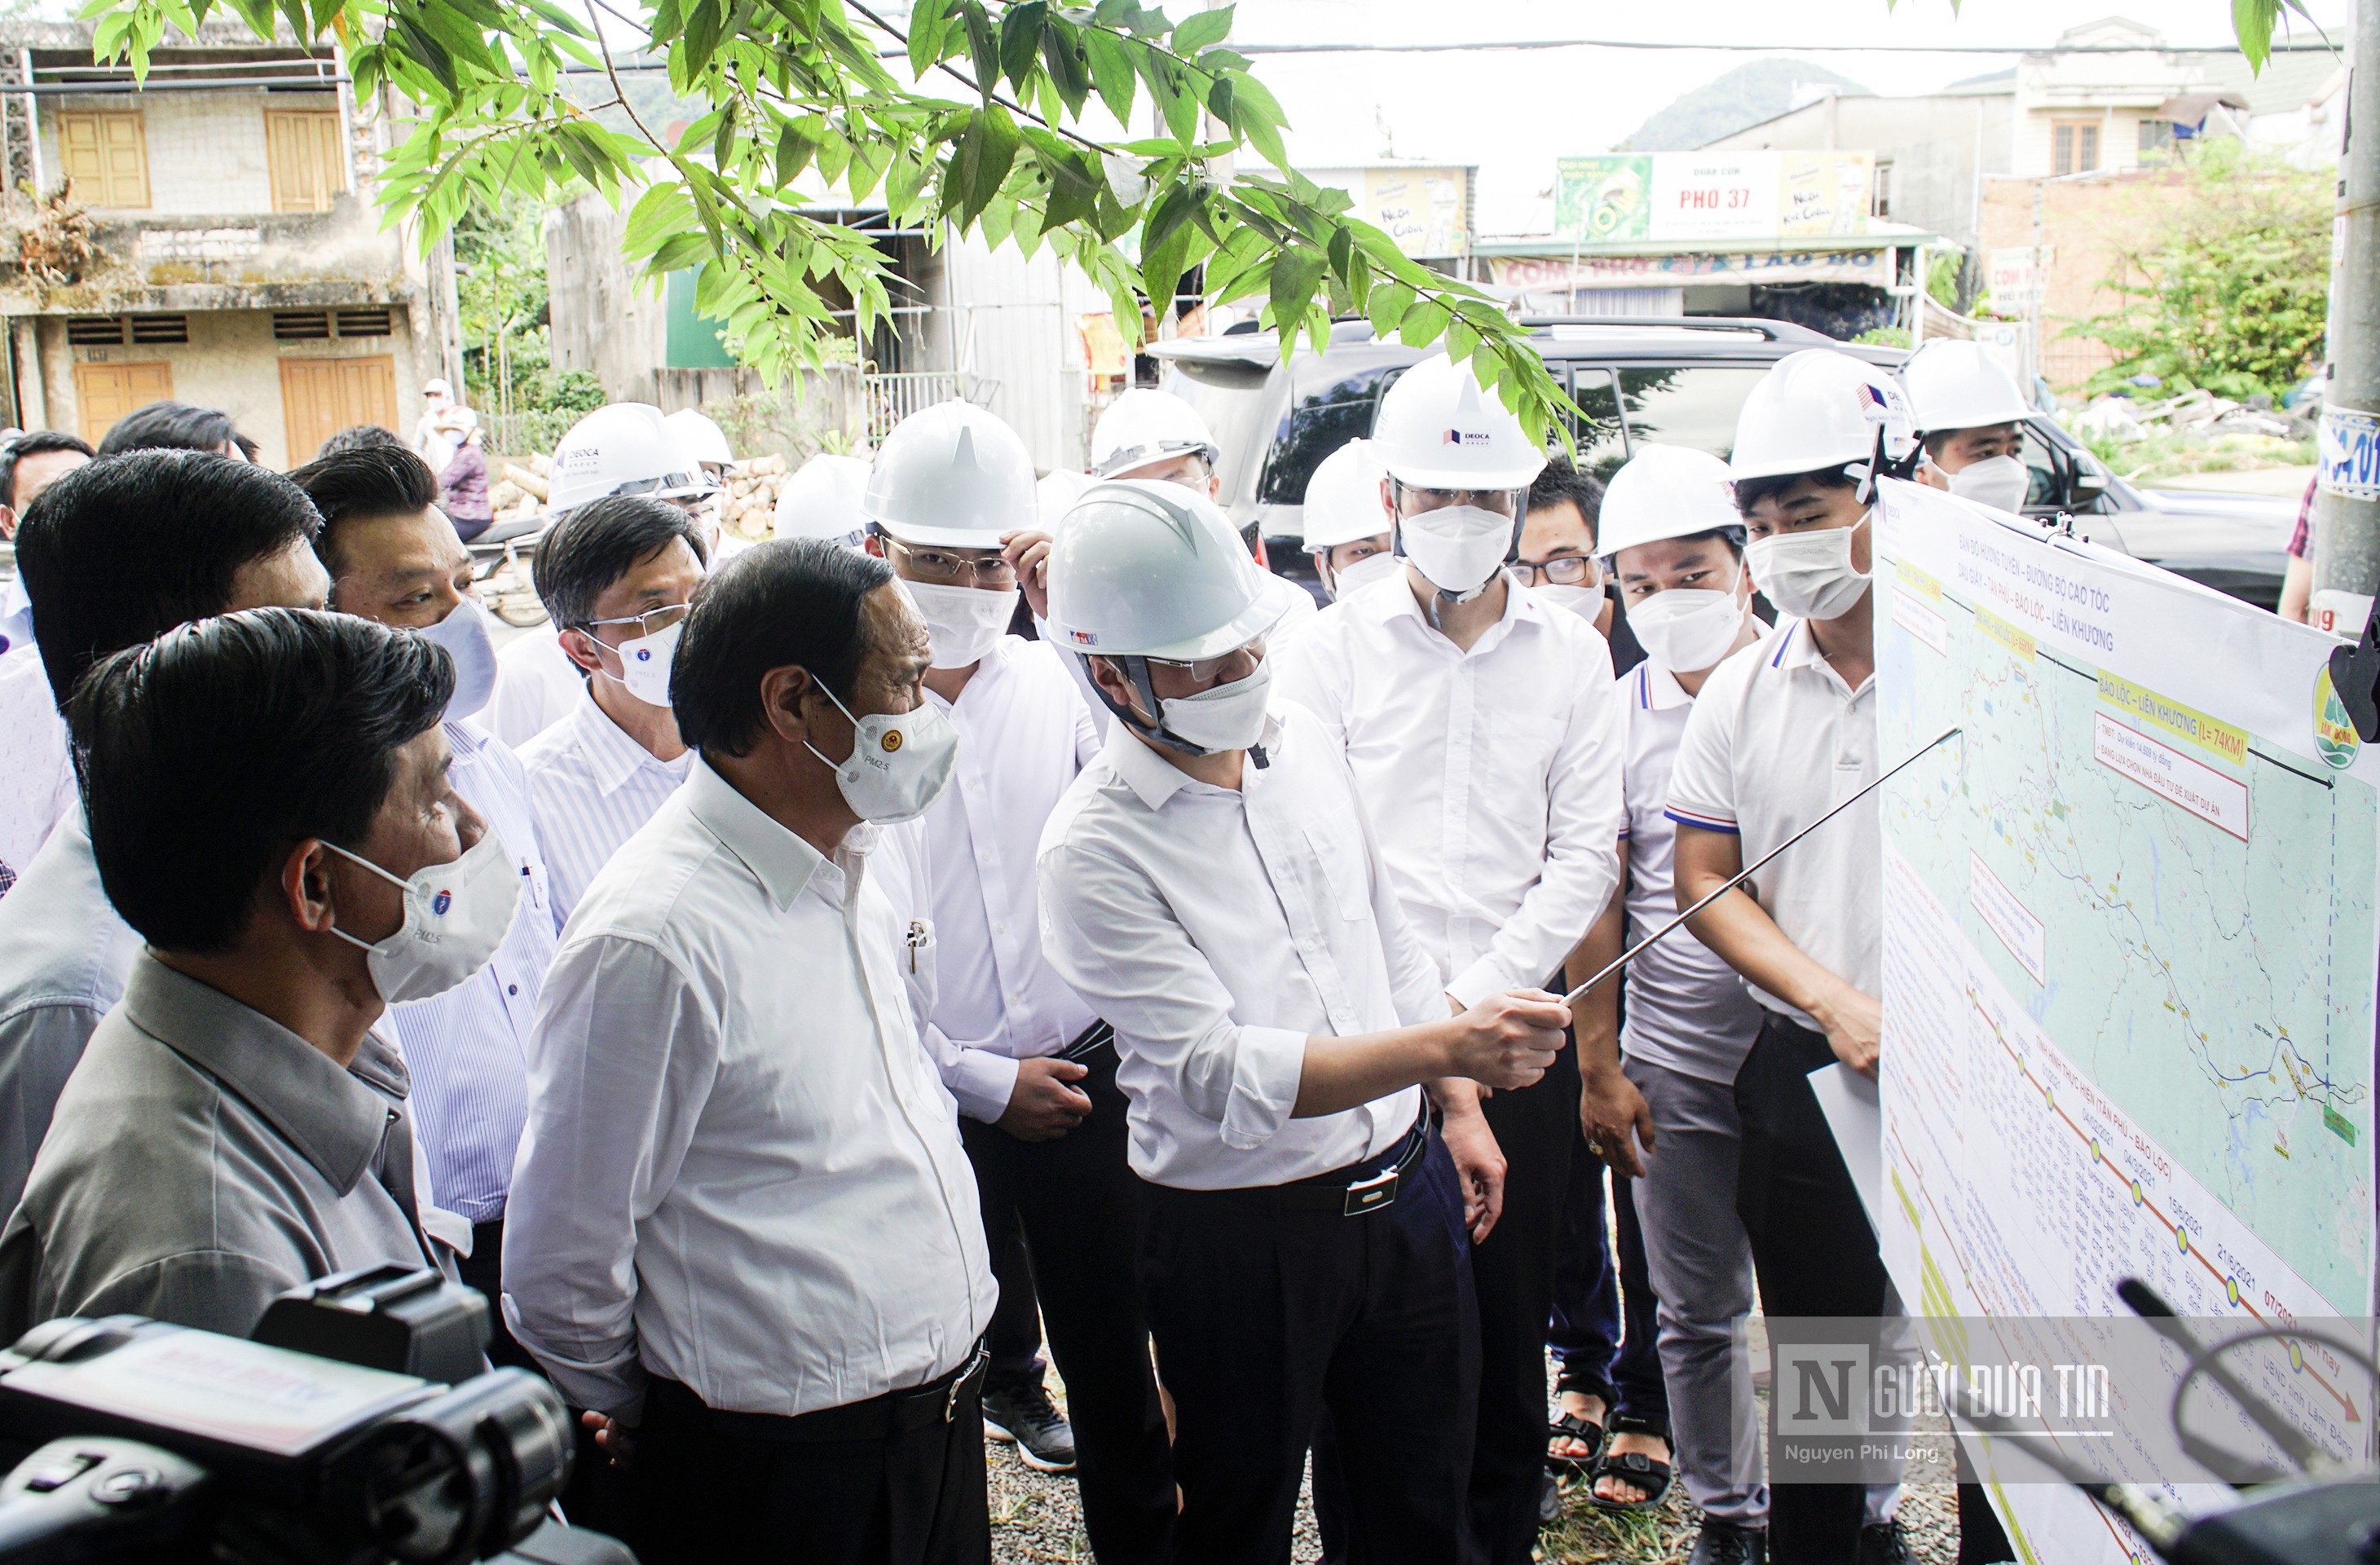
{"x":1633,"y":1468}
{"x":1570,"y":1426}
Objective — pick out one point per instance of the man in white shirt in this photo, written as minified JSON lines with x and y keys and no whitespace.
{"x":1483,"y":734}
{"x":1969,"y":419}
{"x":1211,"y":885}
{"x":395,"y":558}
{"x":37,"y":787}
{"x":31,"y":460}
{"x":1668,"y":1081}
{"x":616,"y":577}
{"x":743,"y":1232}
{"x":950,"y":500}
{"x":116,"y":554}
{"x":1779,"y":735}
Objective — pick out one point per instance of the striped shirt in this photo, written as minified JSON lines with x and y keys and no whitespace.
{"x":470,"y":1081}
{"x":593,"y":787}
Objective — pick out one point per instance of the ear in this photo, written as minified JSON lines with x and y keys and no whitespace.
{"x":1111,"y":679}
{"x":304,"y":886}
{"x":579,"y":648}
{"x":7,"y":524}
{"x":874,"y":544}
{"x":783,"y":694}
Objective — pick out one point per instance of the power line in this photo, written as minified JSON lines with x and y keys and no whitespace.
{"x":1524,"y":44}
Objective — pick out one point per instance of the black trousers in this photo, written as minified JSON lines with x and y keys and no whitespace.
{"x":1537,"y":1128}
{"x":1812,"y":1249}
{"x":707,"y":1488}
{"x":1014,"y":1337}
{"x":1265,"y":1316}
{"x":1081,"y":1210}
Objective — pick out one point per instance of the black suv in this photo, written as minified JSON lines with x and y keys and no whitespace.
{"x":1680,"y":382}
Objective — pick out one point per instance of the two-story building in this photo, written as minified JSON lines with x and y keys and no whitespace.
{"x":217,"y":242}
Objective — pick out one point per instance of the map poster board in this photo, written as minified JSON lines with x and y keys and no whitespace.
{"x":2129,"y":954}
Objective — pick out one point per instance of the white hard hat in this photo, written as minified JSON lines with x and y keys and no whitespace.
{"x":1057,"y":492}
{"x":1147,"y":569}
{"x":1438,"y":429}
{"x":623,"y":449}
{"x":1342,"y":498}
{"x":1814,"y":409}
{"x":1146,"y":426}
{"x":704,"y":440}
{"x":1665,"y":491}
{"x":951,"y":475}
{"x":822,"y":500}
{"x":434,"y":386}
{"x":1959,"y":385}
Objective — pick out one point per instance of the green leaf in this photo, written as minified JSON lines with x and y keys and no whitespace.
{"x":1295,"y":275}
{"x":2253,"y":22}
{"x":1070,"y":73}
{"x":1422,"y":324}
{"x":929,"y":24}
{"x":1020,"y":40}
{"x":1201,"y":28}
{"x":1460,"y":340}
{"x":983,"y":46}
{"x":1112,"y":72}
{"x":982,"y":160}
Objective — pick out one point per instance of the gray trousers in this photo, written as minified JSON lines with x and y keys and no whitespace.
{"x":1701,"y":1265}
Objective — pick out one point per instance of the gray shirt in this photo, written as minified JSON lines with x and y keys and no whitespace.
{"x":204,"y":1158}
{"x":63,"y":957}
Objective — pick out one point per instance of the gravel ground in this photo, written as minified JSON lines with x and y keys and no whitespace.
{"x":1035,"y":1517}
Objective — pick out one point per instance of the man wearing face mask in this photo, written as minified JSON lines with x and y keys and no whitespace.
{"x":1659,"y":1100}
{"x":1970,"y":417}
{"x":234,"y":1128}
{"x":1211,"y":884}
{"x":743,"y":1230}
{"x":616,"y":577}
{"x":394,"y":558}
{"x":1032,"y":1067}
{"x":1559,"y":560}
{"x":115,"y":553}
{"x":1775,"y":739}
{"x":1483,"y":732}
{"x":1346,"y":525}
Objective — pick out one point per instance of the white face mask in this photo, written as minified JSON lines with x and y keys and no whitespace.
{"x":1584,"y":601}
{"x":1688,"y":630}
{"x":455,"y":916}
{"x":645,"y":665}
{"x":1362,"y":573}
{"x":1457,"y":547}
{"x":900,"y":762}
{"x":464,"y":634}
{"x":1224,"y":717}
{"x":1808,"y":574}
{"x":965,"y":622}
{"x":2000,"y":482}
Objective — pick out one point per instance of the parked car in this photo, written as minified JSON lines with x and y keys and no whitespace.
{"x":1677,"y":380}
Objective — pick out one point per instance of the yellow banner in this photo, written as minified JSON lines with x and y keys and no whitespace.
{"x":1917,"y":581}
{"x":2015,"y":640}
{"x":2185,"y":722}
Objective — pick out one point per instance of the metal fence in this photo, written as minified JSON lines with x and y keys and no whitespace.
{"x":891,"y":398}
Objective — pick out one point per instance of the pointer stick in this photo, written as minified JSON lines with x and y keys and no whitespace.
{"x":1571,"y":998}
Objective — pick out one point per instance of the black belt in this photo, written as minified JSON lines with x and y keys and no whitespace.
{"x":1093,"y":1039}
{"x":1368,"y":1187}
{"x":878,"y":1418}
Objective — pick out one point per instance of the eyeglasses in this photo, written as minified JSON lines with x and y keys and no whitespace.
{"x":944,"y":569}
{"x":1571,"y":570}
{"x":652,"y":622}
{"x":1205,"y":668}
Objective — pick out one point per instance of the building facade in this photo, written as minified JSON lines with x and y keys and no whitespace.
{"x":210,"y":235}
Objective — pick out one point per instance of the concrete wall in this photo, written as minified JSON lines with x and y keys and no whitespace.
{"x":1936,"y":146}
{"x":206,"y":149}
{"x":232,"y":362}
{"x":2085,"y":224}
{"x":602,"y":319}
{"x":1008,"y":322}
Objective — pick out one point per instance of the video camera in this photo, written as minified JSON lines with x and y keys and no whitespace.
{"x":355,"y":1425}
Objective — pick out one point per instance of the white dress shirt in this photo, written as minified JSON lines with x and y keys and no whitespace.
{"x":1687,"y":1009}
{"x":1492,"y":776}
{"x":16,"y":614}
{"x":1024,"y":734}
{"x":465,"y":1048}
{"x":1218,"y":929}
{"x":740,"y":1171}
{"x":37,"y":785}
{"x":1776,"y":740}
{"x":593,"y":788}
{"x":537,"y":686}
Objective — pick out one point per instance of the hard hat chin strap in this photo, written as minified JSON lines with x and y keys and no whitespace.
{"x":1136,"y":668}
{"x":1879,"y":466}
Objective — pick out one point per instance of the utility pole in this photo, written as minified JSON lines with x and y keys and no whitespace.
{"x":2347,"y":513}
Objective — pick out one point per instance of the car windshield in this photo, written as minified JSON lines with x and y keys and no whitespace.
{"x":1317,"y":425}
{"x":1690,"y":405}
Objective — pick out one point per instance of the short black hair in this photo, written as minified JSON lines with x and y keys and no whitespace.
{"x":361,"y":483}
{"x":169,"y":425}
{"x":796,"y":600}
{"x":357,"y":436}
{"x":32,"y":442}
{"x":1560,"y":483}
{"x":206,"y":754}
{"x":122,"y":549}
{"x":600,"y":542}
{"x":1750,"y":493}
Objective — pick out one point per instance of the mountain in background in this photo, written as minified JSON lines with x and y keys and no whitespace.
{"x":1744,"y":96}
